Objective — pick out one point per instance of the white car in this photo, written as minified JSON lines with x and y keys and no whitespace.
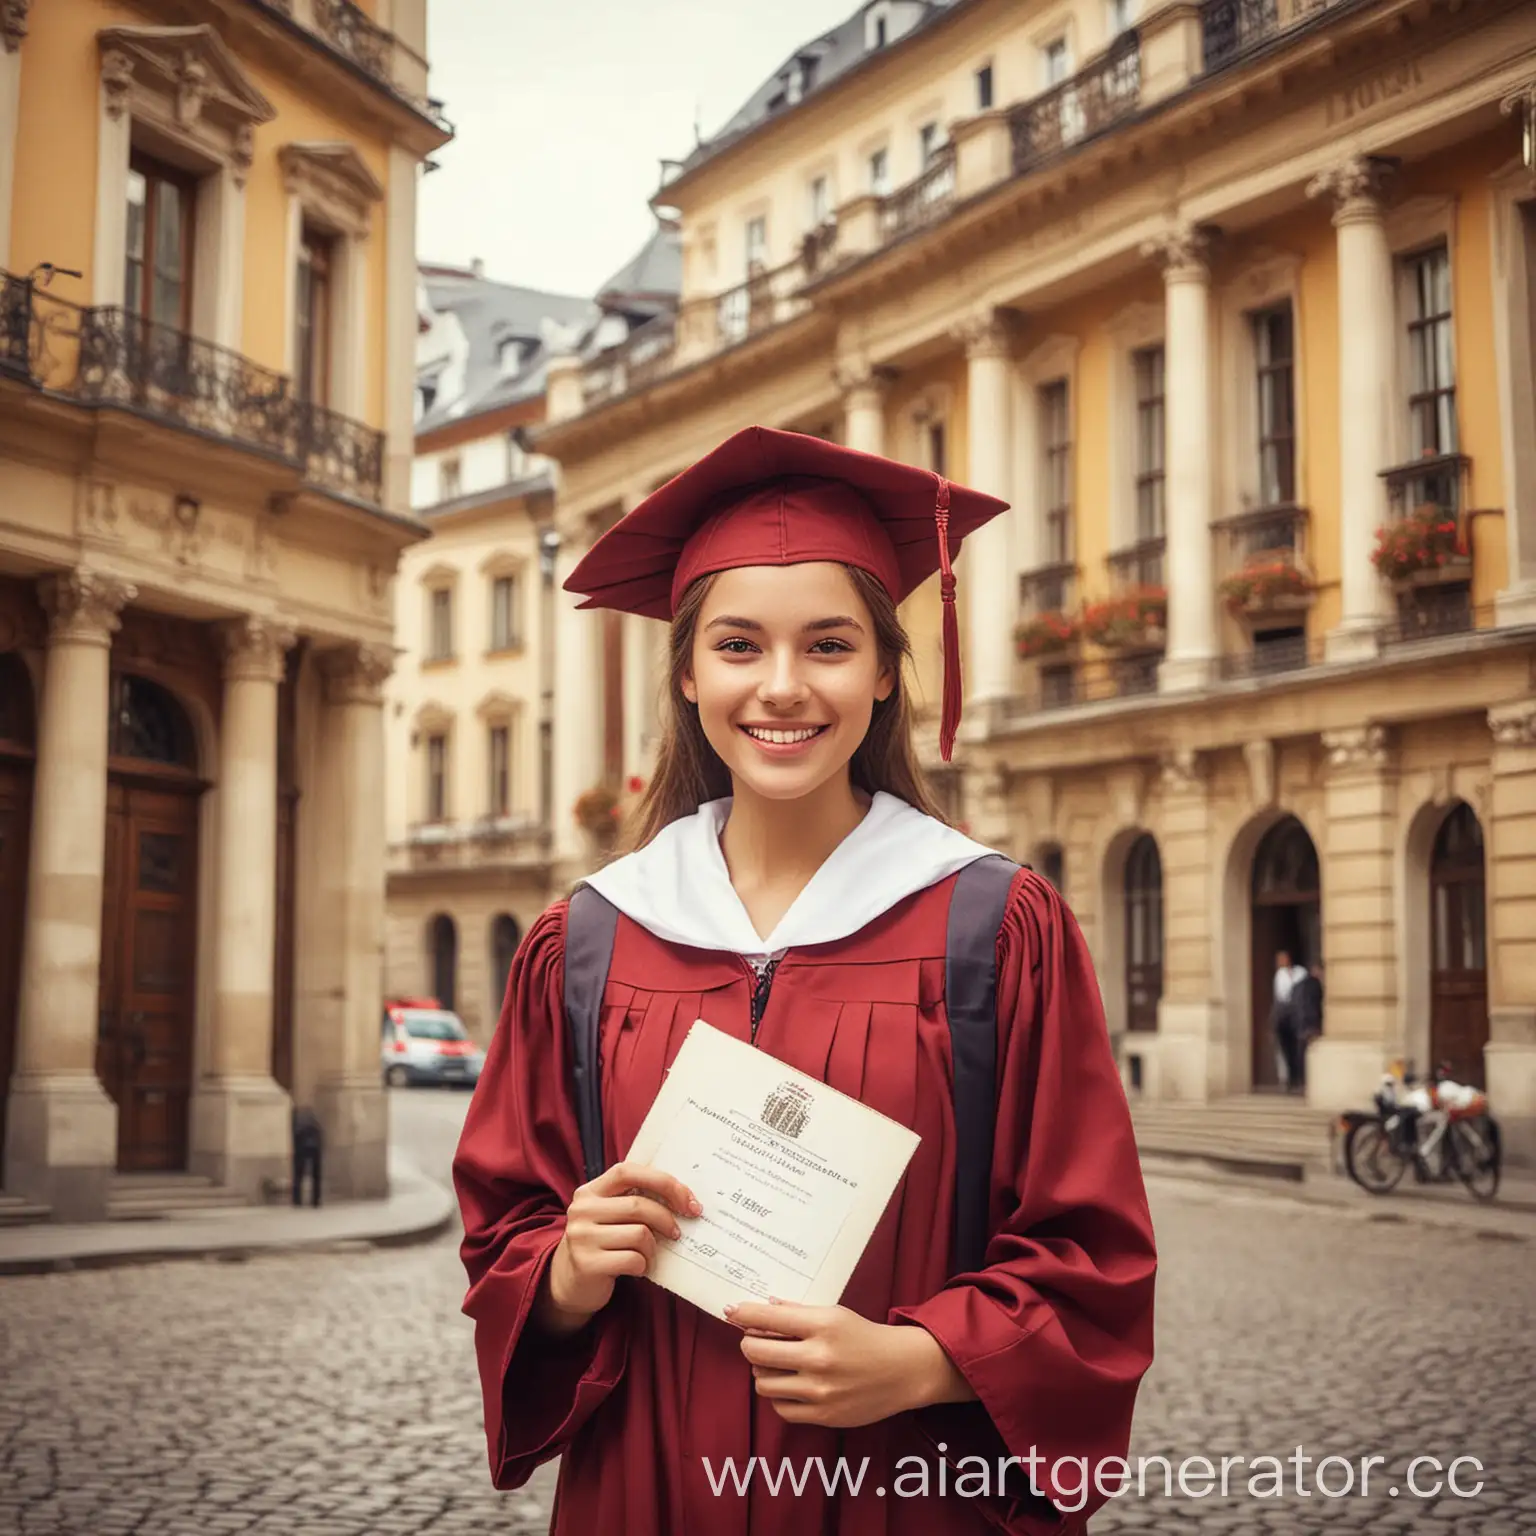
{"x":425,"y":1043}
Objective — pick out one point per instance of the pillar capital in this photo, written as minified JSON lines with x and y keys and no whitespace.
{"x":1183,"y":252}
{"x":13,"y":23}
{"x":1357,"y":185}
{"x":355,"y":674}
{"x":254,"y":648}
{"x":987,"y":332}
{"x":862,"y":382}
{"x":1514,"y":725}
{"x":84,"y":606}
{"x":1358,"y":748}
{"x":1183,"y":772}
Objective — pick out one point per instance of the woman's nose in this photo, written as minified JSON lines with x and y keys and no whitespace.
{"x":782,"y":682}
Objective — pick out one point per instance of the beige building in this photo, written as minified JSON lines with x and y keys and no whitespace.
{"x":471,"y":705}
{"x":204,"y":491}
{"x":1233,"y":302}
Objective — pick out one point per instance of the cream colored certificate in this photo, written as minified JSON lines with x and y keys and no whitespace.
{"x":793,"y":1175}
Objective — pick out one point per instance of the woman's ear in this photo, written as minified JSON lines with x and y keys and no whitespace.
{"x":690,"y":688}
{"x":885,"y":685}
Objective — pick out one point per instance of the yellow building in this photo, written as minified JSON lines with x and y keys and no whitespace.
{"x":207,"y":335}
{"x":1211,"y":293}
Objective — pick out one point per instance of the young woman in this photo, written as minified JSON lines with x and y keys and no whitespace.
{"x":791,"y":886}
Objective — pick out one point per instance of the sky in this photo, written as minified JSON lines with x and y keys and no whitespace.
{"x":564,"y":110}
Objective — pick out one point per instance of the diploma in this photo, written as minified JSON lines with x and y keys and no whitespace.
{"x":793,"y":1175}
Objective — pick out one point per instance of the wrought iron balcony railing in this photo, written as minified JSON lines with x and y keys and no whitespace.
{"x":1280,"y":531}
{"x":1095,"y":682}
{"x":349,"y":31}
{"x":713,"y":323}
{"x":643,"y":356}
{"x":1233,"y":29}
{"x":1140,"y":565}
{"x":108,"y":356}
{"x":923,"y":200}
{"x":1049,"y":589}
{"x":1093,"y":100}
{"x":1436,"y":480}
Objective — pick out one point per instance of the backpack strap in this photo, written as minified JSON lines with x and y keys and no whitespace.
{"x":590,"y":923}
{"x":976,"y":907}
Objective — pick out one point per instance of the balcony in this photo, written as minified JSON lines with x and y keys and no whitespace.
{"x":644,"y":356}
{"x":1101,"y":681}
{"x":489,"y":843}
{"x":108,"y":357}
{"x":923,"y":200}
{"x":1142,"y":564}
{"x":1095,"y":99}
{"x":1233,"y":29}
{"x":1435,"y":480}
{"x":1049,"y":589}
{"x":349,"y":31}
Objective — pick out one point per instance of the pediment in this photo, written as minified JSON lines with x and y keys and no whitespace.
{"x":190,"y":66}
{"x":332,"y":177}
{"x":498,"y":705}
{"x":433,"y":716}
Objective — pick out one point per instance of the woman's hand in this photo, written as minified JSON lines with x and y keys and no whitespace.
{"x":830,"y":1366}
{"x":611,"y":1228}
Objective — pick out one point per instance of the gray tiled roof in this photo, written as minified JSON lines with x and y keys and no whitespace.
{"x":652,"y":278}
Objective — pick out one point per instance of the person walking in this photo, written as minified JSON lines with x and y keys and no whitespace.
{"x":1282,"y":1017}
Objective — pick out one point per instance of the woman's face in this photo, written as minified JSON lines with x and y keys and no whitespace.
{"x":785,"y":673}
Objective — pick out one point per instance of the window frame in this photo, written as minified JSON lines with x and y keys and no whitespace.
{"x":879,"y":180}
{"x":156,"y":172}
{"x":439,"y":645}
{"x":1266,"y":437}
{"x":1151,"y":483}
{"x":315,"y":326}
{"x":1415,"y":325}
{"x":1053,"y":404}
{"x":504,"y":637}
{"x":985,"y":80}
{"x":435,"y":765}
{"x":499,"y":768}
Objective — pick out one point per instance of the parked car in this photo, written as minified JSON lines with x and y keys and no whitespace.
{"x":423,"y":1042}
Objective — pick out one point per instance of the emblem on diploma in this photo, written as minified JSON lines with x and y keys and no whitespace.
{"x":787,"y":1109}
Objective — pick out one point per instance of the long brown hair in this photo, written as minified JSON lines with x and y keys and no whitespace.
{"x":689,"y":771}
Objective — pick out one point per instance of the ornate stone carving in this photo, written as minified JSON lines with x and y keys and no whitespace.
{"x":1357,"y":186}
{"x":1514,"y":725}
{"x":1182,"y":771}
{"x":1357,"y":746}
{"x":185,"y":531}
{"x":1183,"y":252}
{"x":96,"y":512}
{"x":858,"y":377}
{"x":116,"y":81}
{"x":1127,"y":789}
{"x":254,"y":648}
{"x":13,"y":23}
{"x":1260,"y":758}
{"x":333,"y":179}
{"x":355,"y":674}
{"x":989,"y":332}
{"x":242,"y":153}
{"x":191,"y":89}
{"x":84,"y":606}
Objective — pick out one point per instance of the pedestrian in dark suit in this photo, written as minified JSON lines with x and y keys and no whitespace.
{"x":1307,"y":1012}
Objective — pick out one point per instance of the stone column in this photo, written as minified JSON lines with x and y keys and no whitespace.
{"x":1359,"y":919}
{"x":578,"y":709}
{"x":13,"y":27}
{"x":241,"y":1133}
{"x":1192,"y":1041}
{"x":989,"y":572}
{"x":640,"y":693}
{"x":1368,"y":392}
{"x":1192,"y":643}
{"x":1510,"y":1056}
{"x":61,"y":1128}
{"x":864,"y":391}
{"x":343,"y":1021}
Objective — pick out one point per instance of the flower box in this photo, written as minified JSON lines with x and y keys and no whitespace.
{"x":1425,"y":548}
{"x":598,"y":813}
{"x":1134,"y":620}
{"x":1276,"y":585}
{"x":1046,"y":634}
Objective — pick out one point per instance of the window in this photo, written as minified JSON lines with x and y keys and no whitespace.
{"x":1432,"y":363}
{"x":820,"y":202}
{"x":1274,"y":351}
{"x":757,"y":244}
{"x":1122,"y":14}
{"x":157,"y":280}
{"x":440,"y":624}
{"x":1056,"y":465}
{"x":314,"y":309}
{"x":984,"y":88}
{"x":504,"y":613}
{"x":880,"y":31}
{"x":880,"y":172}
{"x":500,"y":795}
{"x":437,"y":778}
{"x":1056,"y":62}
{"x":1143,"y":934}
{"x":927,"y":143}
{"x":450,"y":478}
{"x":1147,"y":365}
{"x":426,"y":396}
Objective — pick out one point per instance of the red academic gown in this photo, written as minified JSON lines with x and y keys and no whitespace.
{"x":1053,"y":1335}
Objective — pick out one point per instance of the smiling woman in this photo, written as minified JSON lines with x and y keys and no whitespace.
{"x":791,"y":884}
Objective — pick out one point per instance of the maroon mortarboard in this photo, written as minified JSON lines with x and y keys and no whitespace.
{"x":765,"y":497}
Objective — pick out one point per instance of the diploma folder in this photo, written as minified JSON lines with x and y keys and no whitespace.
{"x":793,"y":1175}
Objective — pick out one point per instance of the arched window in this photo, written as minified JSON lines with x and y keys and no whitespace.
{"x":1143,"y":933}
{"x":148,"y":723}
{"x":1458,"y":947}
{"x":504,"y":938}
{"x":443,"y":936}
{"x":1285,"y":867}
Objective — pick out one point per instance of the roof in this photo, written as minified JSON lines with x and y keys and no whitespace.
{"x":529,"y":485}
{"x":652,"y":278}
{"x":815,"y":66}
{"x":491,"y":314}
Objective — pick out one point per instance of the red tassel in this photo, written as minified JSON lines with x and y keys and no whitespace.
{"x":949,"y":714}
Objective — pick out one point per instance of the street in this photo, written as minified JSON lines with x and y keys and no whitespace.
{"x":335,"y":1394}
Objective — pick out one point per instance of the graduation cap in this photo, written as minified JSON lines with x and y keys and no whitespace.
{"x":765,"y":497}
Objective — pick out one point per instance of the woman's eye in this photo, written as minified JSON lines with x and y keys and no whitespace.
{"x":837,"y":645}
{"x":729,"y":646}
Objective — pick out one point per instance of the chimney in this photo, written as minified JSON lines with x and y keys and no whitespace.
{"x":477,"y":267}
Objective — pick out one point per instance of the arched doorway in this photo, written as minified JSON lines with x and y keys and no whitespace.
{"x":1287,"y":915}
{"x":1458,"y":976}
{"x":149,"y":924}
{"x":443,"y":954}
{"x":504,"y":941}
{"x":1143,"y":933}
{"x":17,"y":746}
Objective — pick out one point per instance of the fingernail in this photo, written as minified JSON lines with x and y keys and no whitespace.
{"x":677,"y":1231}
{"x":694,"y":1207}
{"x":730,"y":1307}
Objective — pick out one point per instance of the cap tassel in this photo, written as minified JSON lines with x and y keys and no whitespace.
{"x":949,"y":716}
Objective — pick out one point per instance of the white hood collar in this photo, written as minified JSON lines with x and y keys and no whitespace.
{"x":678,"y":886}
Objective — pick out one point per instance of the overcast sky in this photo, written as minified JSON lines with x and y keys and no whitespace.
{"x":564,"y":110}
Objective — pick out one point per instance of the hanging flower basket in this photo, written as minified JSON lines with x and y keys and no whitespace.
{"x":1046,"y":634}
{"x":1427,"y":544}
{"x":1133,"y":620}
{"x":1267,"y":586}
{"x":598,"y":813}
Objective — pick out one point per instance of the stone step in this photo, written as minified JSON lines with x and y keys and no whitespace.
{"x":159,"y":1196}
{"x":16,"y":1212}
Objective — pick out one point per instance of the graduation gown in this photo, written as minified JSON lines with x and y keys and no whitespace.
{"x":1053,"y":1335}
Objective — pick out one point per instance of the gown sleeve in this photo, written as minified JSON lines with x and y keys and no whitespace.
{"x":1054,"y":1334}
{"x":518,"y":1163}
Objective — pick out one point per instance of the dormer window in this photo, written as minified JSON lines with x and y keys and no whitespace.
{"x":877,"y":26}
{"x":511,"y":354}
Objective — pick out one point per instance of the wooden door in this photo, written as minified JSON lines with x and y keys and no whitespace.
{"x":1458,"y":986}
{"x":15,"y":831}
{"x":149,"y":941}
{"x":1143,"y":934}
{"x":1287,"y":915}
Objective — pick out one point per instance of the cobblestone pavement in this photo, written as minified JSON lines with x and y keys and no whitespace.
{"x":334,"y":1394}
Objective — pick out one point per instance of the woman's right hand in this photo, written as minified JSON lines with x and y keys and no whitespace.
{"x":611,"y":1229}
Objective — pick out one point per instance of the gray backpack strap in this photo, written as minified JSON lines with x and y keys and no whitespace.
{"x":590,"y":923}
{"x":976,"y":908}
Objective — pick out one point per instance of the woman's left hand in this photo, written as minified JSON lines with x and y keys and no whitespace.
{"x":830,"y":1366}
